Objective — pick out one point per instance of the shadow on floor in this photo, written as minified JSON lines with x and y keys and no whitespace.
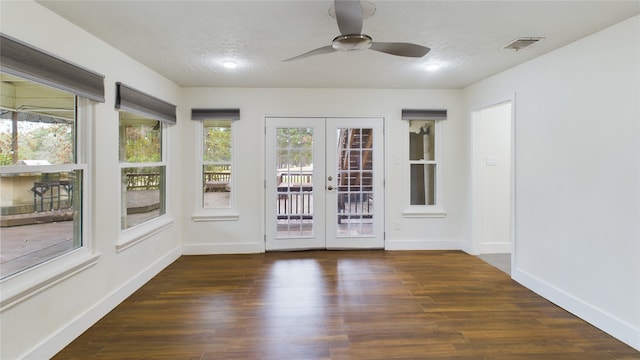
{"x":500,"y":261}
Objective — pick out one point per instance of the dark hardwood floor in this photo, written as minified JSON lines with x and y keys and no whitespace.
{"x":340,"y":305}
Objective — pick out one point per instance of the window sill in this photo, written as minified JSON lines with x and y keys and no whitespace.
{"x":226,"y":215}
{"x":142,"y":232}
{"x":23,"y":285}
{"x":424,"y":213}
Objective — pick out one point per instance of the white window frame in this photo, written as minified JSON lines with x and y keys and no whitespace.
{"x":21,"y":286}
{"x":141,"y":232}
{"x":202,"y":214}
{"x":425,"y":211}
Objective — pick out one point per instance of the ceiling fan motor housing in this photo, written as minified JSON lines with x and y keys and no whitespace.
{"x":352,"y":42}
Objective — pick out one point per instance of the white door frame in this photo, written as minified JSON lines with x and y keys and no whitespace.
{"x":324,"y":198}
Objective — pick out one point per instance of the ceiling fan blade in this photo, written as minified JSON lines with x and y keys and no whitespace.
{"x":400,"y":49}
{"x":349,"y":16}
{"x":319,"y":51}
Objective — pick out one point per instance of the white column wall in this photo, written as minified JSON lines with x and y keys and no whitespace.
{"x":246,"y":234}
{"x":40,"y":325}
{"x":491,"y":166}
{"x":577,"y":235}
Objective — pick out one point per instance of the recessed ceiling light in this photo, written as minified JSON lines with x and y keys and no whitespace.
{"x":229,"y":64}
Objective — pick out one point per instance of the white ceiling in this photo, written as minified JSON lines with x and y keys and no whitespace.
{"x":187,"y":41}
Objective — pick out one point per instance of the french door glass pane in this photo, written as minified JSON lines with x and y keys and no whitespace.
{"x":354,"y":171}
{"x":294,"y":203}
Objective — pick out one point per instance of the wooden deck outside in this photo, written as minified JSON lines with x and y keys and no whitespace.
{"x":340,"y":305}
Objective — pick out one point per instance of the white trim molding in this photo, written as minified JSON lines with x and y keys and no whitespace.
{"x":43,"y":277}
{"x":215,"y":216}
{"x":57,"y":341}
{"x":143,"y":232}
{"x":622,"y":331}
{"x":223,"y":248}
{"x":423,"y":245}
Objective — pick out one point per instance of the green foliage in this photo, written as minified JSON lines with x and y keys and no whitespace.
{"x":141,"y":144}
{"x":5,"y":149}
{"x":295,"y":147}
{"x":217,"y":144}
{"x":39,"y":141}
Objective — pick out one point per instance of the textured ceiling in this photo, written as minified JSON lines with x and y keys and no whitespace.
{"x":187,"y":41}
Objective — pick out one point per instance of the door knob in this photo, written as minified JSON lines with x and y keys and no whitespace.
{"x":329,"y":187}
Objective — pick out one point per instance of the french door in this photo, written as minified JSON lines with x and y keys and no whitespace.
{"x":324,"y":183}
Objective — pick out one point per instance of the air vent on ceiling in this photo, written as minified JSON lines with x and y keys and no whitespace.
{"x":522,"y":43}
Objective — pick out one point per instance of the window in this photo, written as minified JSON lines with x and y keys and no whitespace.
{"x":425,"y":167}
{"x":422,"y":162}
{"x":142,"y":169}
{"x":41,"y":174}
{"x":216,"y":163}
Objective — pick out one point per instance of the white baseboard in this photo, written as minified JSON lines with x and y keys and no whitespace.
{"x":495,"y":248}
{"x":56,"y":342}
{"x":223,"y":248}
{"x":603,"y":321}
{"x":422,"y":245}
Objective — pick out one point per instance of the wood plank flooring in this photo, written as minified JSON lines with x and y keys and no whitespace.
{"x":340,"y":305}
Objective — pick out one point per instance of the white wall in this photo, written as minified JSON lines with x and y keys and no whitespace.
{"x":40,"y":325}
{"x":577,"y":176}
{"x":246,"y":234}
{"x":577,"y":238}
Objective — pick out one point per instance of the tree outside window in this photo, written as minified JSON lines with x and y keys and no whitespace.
{"x":216,"y":164}
{"x":40,"y":175}
{"x":143,"y":170}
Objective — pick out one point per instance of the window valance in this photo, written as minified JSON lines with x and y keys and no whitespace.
{"x":424,"y":114}
{"x":25,"y":61}
{"x":209,"y":114}
{"x":135,"y":101}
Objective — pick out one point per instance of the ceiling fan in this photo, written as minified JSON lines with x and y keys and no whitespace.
{"x":349,"y":17}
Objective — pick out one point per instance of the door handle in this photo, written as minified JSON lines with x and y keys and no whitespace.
{"x":329,"y":187}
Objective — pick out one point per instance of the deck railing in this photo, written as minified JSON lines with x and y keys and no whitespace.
{"x":139,"y":181}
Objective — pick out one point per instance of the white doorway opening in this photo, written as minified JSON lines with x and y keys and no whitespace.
{"x":492,"y":179}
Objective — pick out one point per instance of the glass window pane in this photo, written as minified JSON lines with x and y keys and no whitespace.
{"x":217,"y":141}
{"x":423,"y":184}
{"x":37,"y":124}
{"x":143,"y":194}
{"x":216,"y":186}
{"x":41,"y":218}
{"x":140,"y":139}
{"x":422,"y":140}
{"x":41,"y":214}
